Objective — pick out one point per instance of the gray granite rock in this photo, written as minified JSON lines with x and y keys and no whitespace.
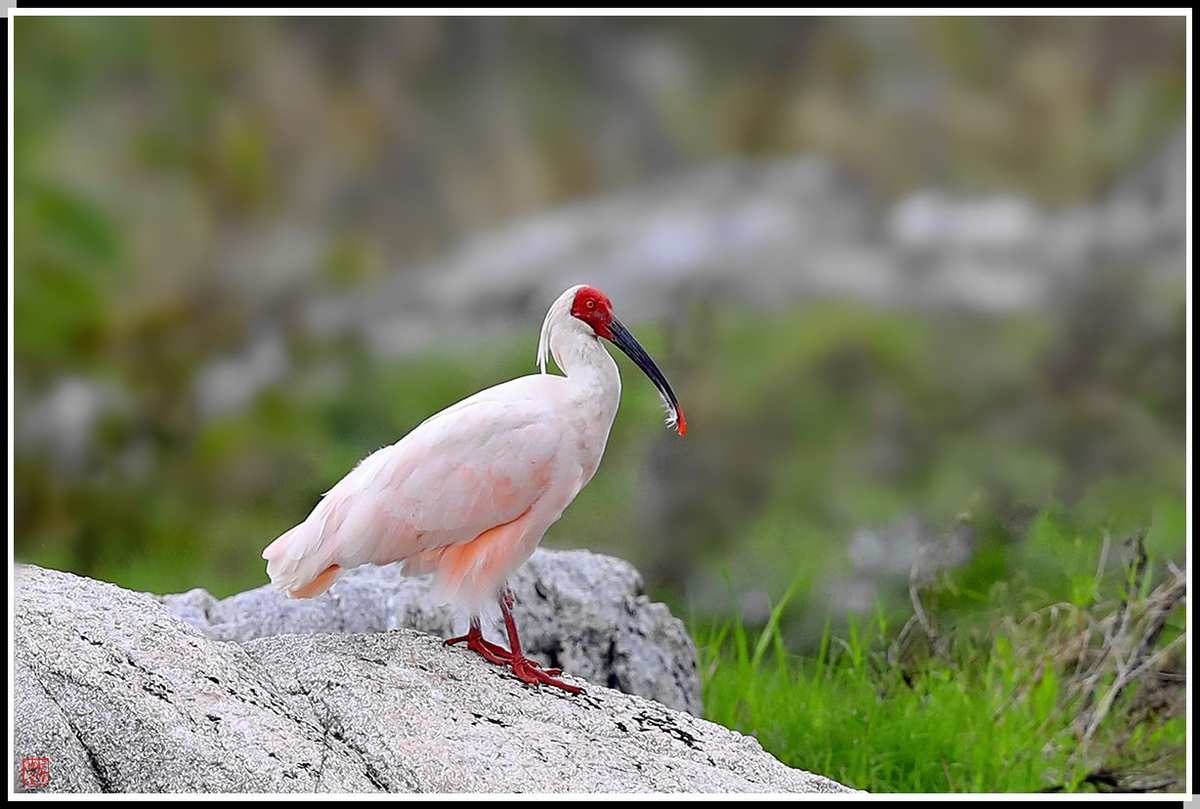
{"x":122,"y":696}
{"x":583,"y":612}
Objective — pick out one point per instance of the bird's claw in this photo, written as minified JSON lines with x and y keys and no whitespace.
{"x":527,"y":671}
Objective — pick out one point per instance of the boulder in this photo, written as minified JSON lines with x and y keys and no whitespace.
{"x":121,"y":696}
{"x":583,"y":612}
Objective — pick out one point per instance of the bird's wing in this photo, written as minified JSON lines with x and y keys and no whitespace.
{"x":479,"y":464}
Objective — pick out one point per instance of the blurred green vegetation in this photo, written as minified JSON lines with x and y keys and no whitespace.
{"x":143,"y":146}
{"x":147,"y":150}
{"x":139,"y":142}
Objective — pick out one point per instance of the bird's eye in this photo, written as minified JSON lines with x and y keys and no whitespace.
{"x":591,"y":304}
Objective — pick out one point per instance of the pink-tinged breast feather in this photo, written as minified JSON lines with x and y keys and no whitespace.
{"x":471,"y":573}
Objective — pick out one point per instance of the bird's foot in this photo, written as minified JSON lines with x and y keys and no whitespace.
{"x":490,"y":652}
{"x":528,"y":671}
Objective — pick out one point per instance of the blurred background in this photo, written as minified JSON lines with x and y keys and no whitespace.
{"x":920,"y":285}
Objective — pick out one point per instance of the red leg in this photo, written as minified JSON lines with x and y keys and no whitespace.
{"x":476,"y":643}
{"x":528,"y":671}
{"x":497,"y":649}
{"x":500,"y":651}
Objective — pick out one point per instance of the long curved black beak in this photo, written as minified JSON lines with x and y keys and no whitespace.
{"x":624,"y":340}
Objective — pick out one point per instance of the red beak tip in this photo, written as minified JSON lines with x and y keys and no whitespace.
{"x":682,"y":426}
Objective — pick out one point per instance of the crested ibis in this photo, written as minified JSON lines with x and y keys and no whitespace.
{"x":470,"y":492}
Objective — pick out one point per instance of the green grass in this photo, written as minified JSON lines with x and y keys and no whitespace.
{"x":993,"y":711}
{"x":844,"y":719}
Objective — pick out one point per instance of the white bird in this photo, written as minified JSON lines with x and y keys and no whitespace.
{"x":470,"y":492}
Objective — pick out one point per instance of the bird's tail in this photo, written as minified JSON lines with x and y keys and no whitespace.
{"x":296,"y":563}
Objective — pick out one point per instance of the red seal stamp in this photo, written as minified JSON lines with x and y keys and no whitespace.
{"x":35,"y":772}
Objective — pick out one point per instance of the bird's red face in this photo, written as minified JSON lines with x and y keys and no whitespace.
{"x":594,"y":308}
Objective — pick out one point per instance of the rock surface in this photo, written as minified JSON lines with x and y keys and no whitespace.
{"x":121,"y":696}
{"x":583,"y":612}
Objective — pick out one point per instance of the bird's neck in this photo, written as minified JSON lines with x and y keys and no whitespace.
{"x":591,"y":371}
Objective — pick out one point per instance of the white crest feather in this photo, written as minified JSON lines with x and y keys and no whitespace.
{"x":544,"y":344}
{"x":559,"y":309}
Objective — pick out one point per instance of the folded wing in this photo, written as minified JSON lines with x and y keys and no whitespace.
{"x":480,"y":464}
